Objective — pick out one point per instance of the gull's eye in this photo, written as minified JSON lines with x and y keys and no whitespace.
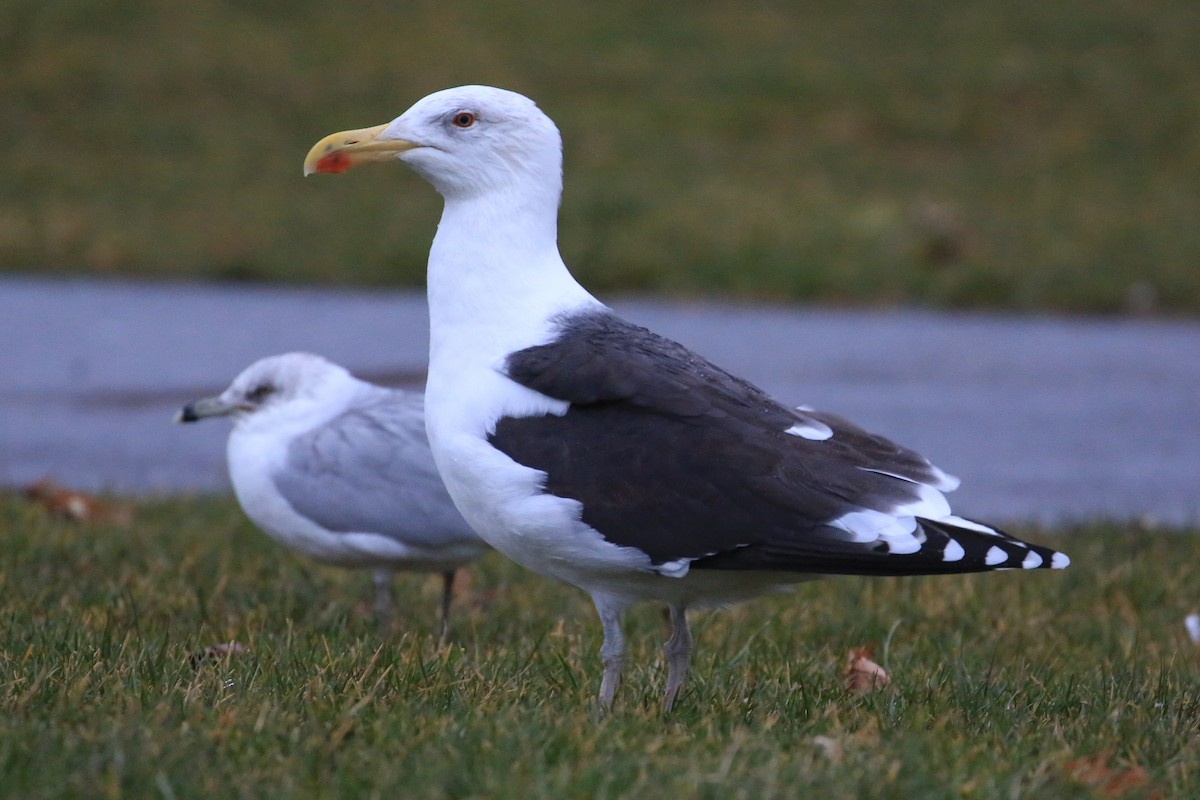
{"x":463,"y":119}
{"x":260,"y":392}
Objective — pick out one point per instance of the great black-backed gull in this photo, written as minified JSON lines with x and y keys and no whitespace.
{"x":339,"y":470}
{"x":595,"y":451}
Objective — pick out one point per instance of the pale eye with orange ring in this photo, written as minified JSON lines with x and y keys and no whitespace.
{"x":463,"y":119}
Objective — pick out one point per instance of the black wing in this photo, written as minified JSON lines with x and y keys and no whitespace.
{"x":669,"y":453}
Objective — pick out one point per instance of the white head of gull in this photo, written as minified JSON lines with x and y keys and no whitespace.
{"x":339,"y":470}
{"x":592,"y":450}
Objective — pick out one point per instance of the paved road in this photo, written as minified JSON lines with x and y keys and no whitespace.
{"x":1047,"y":419}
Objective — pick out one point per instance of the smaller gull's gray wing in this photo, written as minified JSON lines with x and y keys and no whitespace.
{"x":370,"y":470}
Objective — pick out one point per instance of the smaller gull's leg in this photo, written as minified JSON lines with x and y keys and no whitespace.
{"x":447,"y":596}
{"x":612,"y":652}
{"x":382,"y":579}
{"x":678,"y":651}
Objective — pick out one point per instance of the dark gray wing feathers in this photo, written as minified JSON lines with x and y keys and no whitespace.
{"x":670,"y":454}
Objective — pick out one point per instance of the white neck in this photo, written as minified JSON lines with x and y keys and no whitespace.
{"x":496,"y":276}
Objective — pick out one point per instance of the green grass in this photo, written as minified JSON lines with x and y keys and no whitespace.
{"x":1000,"y":681}
{"x":1023,"y":155}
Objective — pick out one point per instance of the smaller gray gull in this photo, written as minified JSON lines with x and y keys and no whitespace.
{"x":339,"y":470}
{"x":595,"y":451}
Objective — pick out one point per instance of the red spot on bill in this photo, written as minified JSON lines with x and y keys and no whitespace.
{"x":336,"y":161}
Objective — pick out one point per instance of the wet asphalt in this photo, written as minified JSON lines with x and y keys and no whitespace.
{"x":1045,"y":419}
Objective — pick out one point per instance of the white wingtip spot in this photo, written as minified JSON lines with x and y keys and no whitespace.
{"x":995,"y":556}
{"x":953,"y":552}
{"x":812,"y":430}
{"x":1032,"y":561}
{"x":1059,"y":561}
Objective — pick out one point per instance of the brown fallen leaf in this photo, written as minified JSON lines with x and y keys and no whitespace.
{"x":76,"y":506}
{"x":1096,"y":773}
{"x":863,"y":675}
{"x":217,"y":652}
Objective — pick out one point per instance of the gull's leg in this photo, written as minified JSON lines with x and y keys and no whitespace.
{"x":612,"y":652}
{"x":382,"y":579}
{"x":678,"y":651}
{"x":447,"y":596}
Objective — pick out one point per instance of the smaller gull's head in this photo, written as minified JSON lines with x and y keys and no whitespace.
{"x":292,"y":385}
{"x":465,"y":141}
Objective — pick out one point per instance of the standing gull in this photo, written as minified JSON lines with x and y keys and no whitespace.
{"x":340,"y":470}
{"x":595,"y":451}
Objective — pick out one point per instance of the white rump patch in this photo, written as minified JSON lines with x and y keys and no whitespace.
{"x":1059,"y":561}
{"x":1032,"y":561}
{"x":995,"y":556}
{"x":953,"y":552}
{"x":674,"y":569}
{"x":811,"y":429}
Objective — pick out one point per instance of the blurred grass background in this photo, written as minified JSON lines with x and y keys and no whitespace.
{"x":1024,"y":155}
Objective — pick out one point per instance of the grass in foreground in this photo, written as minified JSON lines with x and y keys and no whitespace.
{"x":1000,"y":681}
{"x":1024,"y":155}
